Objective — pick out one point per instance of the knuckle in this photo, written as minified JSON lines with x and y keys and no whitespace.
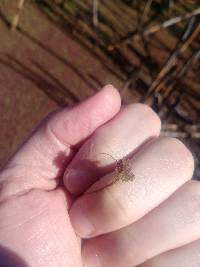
{"x":178,"y":148}
{"x":149,"y":115}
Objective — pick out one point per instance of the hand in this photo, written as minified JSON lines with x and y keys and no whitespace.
{"x":35,"y":229}
{"x":156,"y":213}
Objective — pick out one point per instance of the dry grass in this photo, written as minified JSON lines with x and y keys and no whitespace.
{"x":15,"y":21}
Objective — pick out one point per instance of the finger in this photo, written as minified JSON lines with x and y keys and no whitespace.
{"x":175,"y":223}
{"x":186,"y":256}
{"x":161,"y":168}
{"x":42,"y":159}
{"x":123,"y":135}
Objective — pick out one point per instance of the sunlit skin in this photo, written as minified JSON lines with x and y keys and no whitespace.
{"x":55,"y":192}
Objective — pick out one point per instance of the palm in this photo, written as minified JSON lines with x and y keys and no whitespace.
{"x":39,"y":222}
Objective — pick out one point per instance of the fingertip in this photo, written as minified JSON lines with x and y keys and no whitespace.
{"x":111,"y":97}
{"x":110,"y":90}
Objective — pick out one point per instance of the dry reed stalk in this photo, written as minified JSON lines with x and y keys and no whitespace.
{"x":133,"y":77}
{"x":173,"y":130}
{"x":95,"y":12}
{"x":180,"y":75}
{"x":179,"y":134}
{"x":170,"y":63}
{"x":153,"y":29}
{"x":15,"y":20}
{"x":146,"y":10}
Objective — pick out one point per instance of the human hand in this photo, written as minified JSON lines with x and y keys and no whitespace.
{"x":34,"y":207}
{"x":35,"y":229}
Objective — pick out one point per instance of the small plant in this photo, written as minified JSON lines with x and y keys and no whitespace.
{"x":123,"y":173}
{"x":123,"y":170}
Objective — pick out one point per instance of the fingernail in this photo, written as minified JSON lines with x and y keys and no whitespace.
{"x":80,"y":221}
{"x":73,"y":178}
{"x":90,"y":258}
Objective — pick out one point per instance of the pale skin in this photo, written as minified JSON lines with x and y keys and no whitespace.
{"x":152,"y":220}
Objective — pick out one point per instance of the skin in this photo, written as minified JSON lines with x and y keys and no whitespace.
{"x":56,"y":211}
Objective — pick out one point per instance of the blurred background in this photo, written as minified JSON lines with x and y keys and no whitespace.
{"x":55,"y":53}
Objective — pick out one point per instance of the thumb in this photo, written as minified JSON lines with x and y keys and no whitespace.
{"x":43,"y":157}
